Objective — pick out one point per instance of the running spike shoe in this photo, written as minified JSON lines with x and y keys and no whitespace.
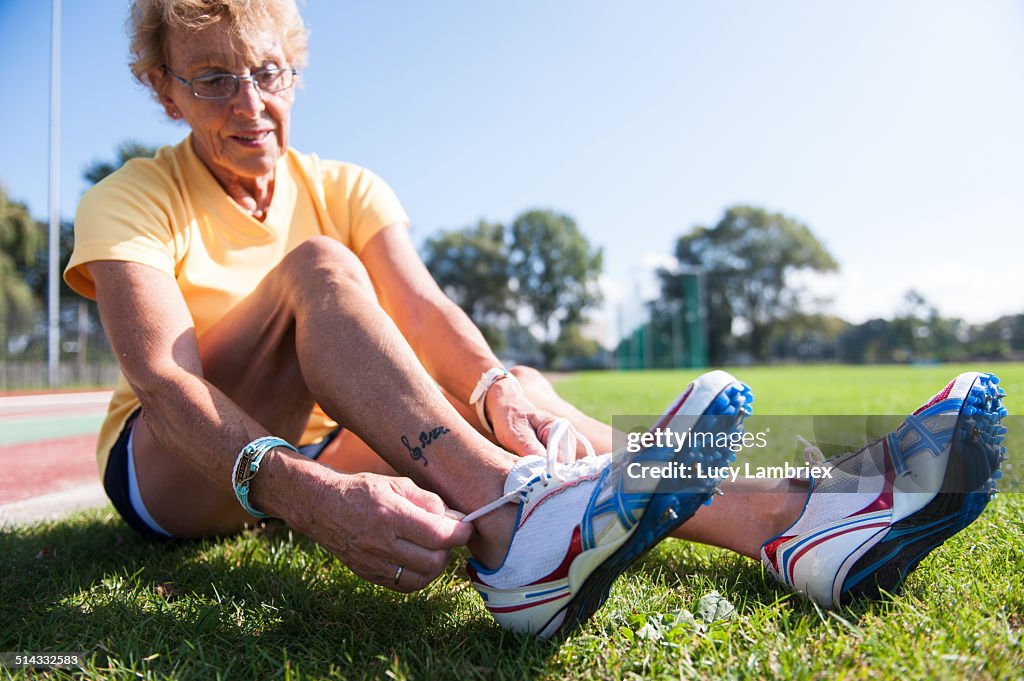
{"x":889,"y":504}
{"x":581,"y":523}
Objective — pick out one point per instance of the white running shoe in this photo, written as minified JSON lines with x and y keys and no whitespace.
{"x":582,"y":523}
{"x":889,"y":504}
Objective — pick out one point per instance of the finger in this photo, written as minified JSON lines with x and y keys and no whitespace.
{"x":439,"y":527}
{"x":428,"y":501}
{"x":386,"y":574}
{"x":523,"y":439}
{"x":412,"y":556}
{"x":530,"y":445}
{"x":410,"y":580}
{"x":377,"y":561}
{"x":432,"y":530}
{"x":543,"y":423}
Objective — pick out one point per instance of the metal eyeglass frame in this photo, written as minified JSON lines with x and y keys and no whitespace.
{"x":190,"y":84}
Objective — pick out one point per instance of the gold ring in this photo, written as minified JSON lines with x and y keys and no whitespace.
{"x":398,"y":574}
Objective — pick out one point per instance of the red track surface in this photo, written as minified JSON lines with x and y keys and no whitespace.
{"x":36,"y":468}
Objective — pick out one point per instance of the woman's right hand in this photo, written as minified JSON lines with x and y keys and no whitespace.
{"x":376,"y":523}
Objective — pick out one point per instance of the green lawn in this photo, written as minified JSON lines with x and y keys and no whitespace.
{"x":270,"y":604}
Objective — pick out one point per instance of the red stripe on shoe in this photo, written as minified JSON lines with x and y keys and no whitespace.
{"x":524,"y":606}
{"x":562,"y":571}
{"x":771,"y":549}
{"x":938,"y":398}
{"x":825,"y":538}
{"x":885,"y":498}
{"x":672,"y":410}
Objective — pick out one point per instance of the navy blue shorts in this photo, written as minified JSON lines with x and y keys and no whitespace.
{"x":117,"y":481}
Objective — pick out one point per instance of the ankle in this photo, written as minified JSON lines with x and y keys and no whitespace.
{"x":493,"y":535}
{"x":794,"y":494}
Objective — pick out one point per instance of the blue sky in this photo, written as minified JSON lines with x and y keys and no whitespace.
{"x":893,"y":129}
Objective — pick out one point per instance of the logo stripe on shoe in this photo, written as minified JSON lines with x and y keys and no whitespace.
{"x":933,"y":441}
{"x":595,"y":509}
{"x":790,"y":554}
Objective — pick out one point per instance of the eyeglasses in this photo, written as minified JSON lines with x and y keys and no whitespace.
{"x":225,"y":85}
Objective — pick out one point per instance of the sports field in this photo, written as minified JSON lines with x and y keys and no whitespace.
{"x":271,"y":604}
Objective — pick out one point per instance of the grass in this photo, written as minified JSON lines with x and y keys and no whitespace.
{"x":268,"y":603}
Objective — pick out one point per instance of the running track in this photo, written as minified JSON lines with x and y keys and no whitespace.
{"x":47,"y":454}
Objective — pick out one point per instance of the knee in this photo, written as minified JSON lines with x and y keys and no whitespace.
{"x":322,"y":260}
{"x":530,"y":378}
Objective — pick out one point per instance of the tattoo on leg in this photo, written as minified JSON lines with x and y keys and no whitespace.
{"x":426,"y":438}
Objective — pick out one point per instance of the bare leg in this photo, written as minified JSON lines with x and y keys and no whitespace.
{"x":746,"y":515}
{"x":349,"y":454}
{"x":313,"y":330}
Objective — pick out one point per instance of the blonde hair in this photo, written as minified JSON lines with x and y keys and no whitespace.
{"x":247,"y":20}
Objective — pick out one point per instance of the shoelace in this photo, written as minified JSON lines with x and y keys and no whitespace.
{"x":812,"y":454}
{"x":561,"y":453}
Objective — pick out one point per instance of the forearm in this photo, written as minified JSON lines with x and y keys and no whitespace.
{"x":451,"y":348}
{"x":455,"y":353}
{"x":193,"y":420}
{"x":446,"y":342}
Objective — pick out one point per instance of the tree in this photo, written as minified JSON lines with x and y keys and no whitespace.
{"x":748,"y":259}
{"x":554,"y":273}
{"x":34,"y":274}
{"x":32,"y":270}
{"x":20,"y":242}
{"x":807,"y":337}
{"x":126,"y":151}
{"x":539,"y":273}
{"x":471,"y":266}
{"x":999,"y":339}
{"x":924,"y":334}
{"x":576,"y":351}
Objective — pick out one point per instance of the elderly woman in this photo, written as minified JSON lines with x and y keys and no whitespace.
{"x":257,"y":297}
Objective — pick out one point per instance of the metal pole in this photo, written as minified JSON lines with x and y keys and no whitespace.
{"x":703,"y":314}
{"x":53,"y":291}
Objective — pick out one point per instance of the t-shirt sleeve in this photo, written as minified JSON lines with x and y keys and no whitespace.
{"x":125,"y":217}
{"x":360,"y":199}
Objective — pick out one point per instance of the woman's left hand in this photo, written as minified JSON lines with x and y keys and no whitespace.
{"x":519,"y":425}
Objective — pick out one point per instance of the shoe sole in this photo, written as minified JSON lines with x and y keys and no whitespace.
{"x":667,"y":511}
{"x":975,"y":455}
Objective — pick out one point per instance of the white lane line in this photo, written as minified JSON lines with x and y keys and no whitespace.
{"x":54,"y":505}
{"x":55,"y":399}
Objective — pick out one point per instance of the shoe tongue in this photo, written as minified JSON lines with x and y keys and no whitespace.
{"x":523,"y":471}
{"x":527,"y":468}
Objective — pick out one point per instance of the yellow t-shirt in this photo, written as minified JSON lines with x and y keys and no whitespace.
{"x":170,"y":213}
